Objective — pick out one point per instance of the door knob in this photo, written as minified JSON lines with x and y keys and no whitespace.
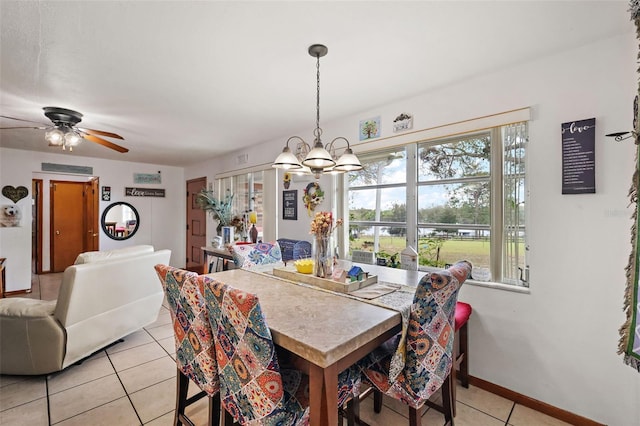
{"x":57,"y":232}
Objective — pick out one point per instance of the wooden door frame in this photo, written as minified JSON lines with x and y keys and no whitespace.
{"x":188,"y":208}
{"x":36,"y":250}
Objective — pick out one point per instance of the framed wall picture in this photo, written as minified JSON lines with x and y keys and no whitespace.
{"x":290,"y":205}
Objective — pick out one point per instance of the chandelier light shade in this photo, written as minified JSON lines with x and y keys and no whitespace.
{"x":321,"y":158}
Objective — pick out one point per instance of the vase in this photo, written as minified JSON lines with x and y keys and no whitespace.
{"x":254,"y":234}
{"x":323,"y":257}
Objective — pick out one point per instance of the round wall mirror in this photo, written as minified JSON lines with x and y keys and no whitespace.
{"x":120,"y":221}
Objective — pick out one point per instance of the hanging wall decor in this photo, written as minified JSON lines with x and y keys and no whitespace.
{"x":313,"y":195}
{"x":15,"y":194}
{"x":629,"y":344}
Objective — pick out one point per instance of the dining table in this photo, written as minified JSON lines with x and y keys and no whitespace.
{"x":321,"y":332}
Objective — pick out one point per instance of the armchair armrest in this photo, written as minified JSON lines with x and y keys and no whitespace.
{"x":31,"y":340}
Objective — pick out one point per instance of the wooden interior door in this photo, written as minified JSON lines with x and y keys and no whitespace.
{"x":91,"y":233}
{"x":36,"y":226}
{"x":196,"y":226}
{"x":67,"y":223}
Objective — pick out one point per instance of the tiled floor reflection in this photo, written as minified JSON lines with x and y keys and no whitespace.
{"x":133,"y":383}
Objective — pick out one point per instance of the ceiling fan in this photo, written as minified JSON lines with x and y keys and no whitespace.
{"x":63,"y":132}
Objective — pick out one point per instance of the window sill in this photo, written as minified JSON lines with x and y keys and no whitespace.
{"x":499,"y":286}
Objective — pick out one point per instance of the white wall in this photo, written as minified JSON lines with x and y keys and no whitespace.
{"x":162,"y":220}
{"x":557,"y":343}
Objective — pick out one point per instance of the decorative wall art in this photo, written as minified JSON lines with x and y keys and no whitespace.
{"x":144,"y":192}
{"x":402,"y":122}
{"x":106,"y":193}
{"x":370,"y":128}
{"x":10,"y":216}
{"x":15,"y":194}
{"x":154,"y":178}
{"x":286,"y":180}
{"x":313,"y":195}
{"x":578,"y":157}
{"x":629,"y":343}
{"x":290,"y":205}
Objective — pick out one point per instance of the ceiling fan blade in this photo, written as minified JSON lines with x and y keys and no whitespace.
{"x":25,"y":127}
{"x":103,"y":142}
{"x":101,"y":133}
{"x":21,"y":119}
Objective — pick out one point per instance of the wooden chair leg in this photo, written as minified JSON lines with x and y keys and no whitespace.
{"x":353,"y":411}
{"x":447,"y":401}
{"x":414,"y":416}
{"x":464,"y":351}
{"x":377,"y":401}
{"x":453,"y":384}
{"x":182,"y":387}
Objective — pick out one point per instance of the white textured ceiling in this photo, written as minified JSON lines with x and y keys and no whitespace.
{"x":185,"y":81}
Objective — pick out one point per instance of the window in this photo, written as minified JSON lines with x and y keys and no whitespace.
{"x":451,"y":199}
{"x":247,"y":190}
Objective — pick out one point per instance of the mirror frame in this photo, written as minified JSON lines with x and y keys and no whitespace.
{"x":103,"y":219}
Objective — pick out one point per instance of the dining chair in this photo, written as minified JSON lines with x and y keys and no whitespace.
{"x":195,"y":356}
{"x":427,"y":350}
{"x":255,"y":388}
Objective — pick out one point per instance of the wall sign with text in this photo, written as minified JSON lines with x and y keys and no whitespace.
{"x":144,"y":192}
{"x":578,"y":157}
{"x":290,"y":205}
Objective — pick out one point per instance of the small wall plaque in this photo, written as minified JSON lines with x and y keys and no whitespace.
{"x":147,"y":178}
{"x":144,"y":192}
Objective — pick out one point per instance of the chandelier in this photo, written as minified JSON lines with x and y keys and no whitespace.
{"x":321,"y":158}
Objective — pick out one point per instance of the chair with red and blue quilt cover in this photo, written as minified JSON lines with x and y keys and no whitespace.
{"x":195,"y":356}
{"x":255,"y":389}
{"x":411,"y":368}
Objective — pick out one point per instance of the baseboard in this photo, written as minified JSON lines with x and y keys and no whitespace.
{"x":16,"y":292}
{"x":543,"y":407}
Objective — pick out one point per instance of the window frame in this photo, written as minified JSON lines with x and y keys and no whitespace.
{"x":497,"y":178}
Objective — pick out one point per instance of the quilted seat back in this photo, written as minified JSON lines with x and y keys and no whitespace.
{"x":195,"y":356}
{"x":252,"y":388}
{"x":431,"y":329}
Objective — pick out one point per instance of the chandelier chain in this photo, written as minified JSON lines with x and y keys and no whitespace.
{"x":318,"y":131}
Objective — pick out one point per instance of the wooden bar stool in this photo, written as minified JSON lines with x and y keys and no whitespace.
{"x":461,"y":349}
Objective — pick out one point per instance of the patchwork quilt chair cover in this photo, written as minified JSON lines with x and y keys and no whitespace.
{"x":428,"y":349}
{"x":195,"y":353}
{"x":255,"y":389}
{"x":247,"y":256}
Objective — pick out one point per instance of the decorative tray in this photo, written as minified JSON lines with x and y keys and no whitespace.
{"x":290,"y":273}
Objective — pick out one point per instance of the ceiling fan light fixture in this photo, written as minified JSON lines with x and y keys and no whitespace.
{"x":54,"y":136}
{"x":72,"y":138}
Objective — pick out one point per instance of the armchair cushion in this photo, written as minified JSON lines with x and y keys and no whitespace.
{"x":33,"y":342}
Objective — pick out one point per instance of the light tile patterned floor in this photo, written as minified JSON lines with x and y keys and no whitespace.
{"x":133,"y":383}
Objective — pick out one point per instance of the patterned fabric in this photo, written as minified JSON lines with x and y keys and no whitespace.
{"x":254,"y":389}
{"x":246,"y":256}
{"x":195,"y":354}
{"x":427,"y":345}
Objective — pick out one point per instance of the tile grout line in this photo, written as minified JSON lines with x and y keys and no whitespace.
{"x":124,"y":388}
{"x":513,"y":407}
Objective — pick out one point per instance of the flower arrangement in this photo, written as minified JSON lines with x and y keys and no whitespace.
{"x":322,"y":225}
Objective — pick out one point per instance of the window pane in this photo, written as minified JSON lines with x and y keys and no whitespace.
{"x":378,"y":239}
{"x":462,"y":158}
{"x":436,"y":248}
{"x":462,"y":203}
{"x":381,"y":168}
{"x":514,"y":140}
{"x":378,"y":204}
